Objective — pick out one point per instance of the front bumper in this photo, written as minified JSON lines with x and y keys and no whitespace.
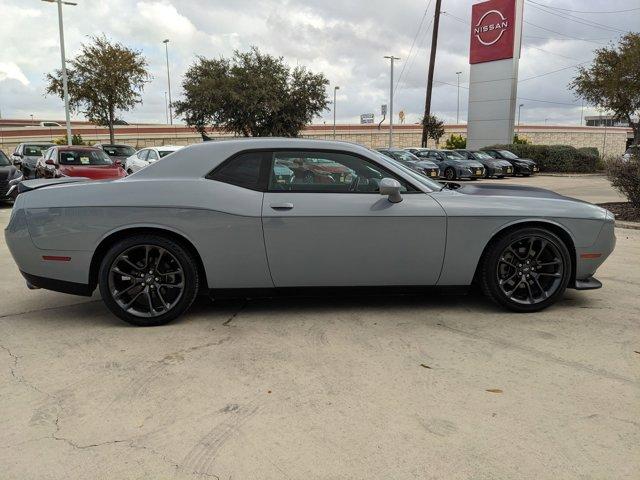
{"x":470,"y":172}
{"x":589,"y":259}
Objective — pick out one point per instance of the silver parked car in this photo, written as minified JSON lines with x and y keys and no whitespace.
{"x":222,"y":216}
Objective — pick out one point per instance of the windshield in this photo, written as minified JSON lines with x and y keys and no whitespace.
{"x":84,"y":157}
{"x":453,"y":155}
{"x":164,"y":153}
{"x":403,"y":156}
{"x":508,"y":154}
{"x":430,"y":184}
{"x":34,"y":150}
{"x":118,"y":150}
{"x":4,"y":161}
{"x":483,"y":155}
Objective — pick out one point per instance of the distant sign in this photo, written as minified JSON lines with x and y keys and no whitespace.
{"x":383,"y":110}
{"x":366,"y":118}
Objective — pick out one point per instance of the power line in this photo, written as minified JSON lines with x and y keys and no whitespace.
{"x":573,"y":18}
{"x":589,"y":12}
{"x":554,"y":71}
{"x":552,"y":53}
{"x":563,"y":34}
{"x":424,"y":15}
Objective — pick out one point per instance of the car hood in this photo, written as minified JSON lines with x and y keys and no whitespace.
{"x":426,"y":164}
{"x":467,"y":163}
{"x":496,"y":190}
{"x":94,"y":172}
{"x":30,"y":159}
{"x":528,"y":161}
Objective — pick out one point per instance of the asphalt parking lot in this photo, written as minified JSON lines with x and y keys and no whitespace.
{"x":430,"y":387}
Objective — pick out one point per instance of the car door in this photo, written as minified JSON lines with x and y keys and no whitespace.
{"x":325,"y":224}
{"x":152,"y":156}
{"x":141,"y":159}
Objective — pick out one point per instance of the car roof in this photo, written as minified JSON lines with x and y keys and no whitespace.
{"x":76,"y":147}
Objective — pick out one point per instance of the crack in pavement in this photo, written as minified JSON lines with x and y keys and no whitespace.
{"x":46,"y":309}
{"x":21,"y":378}
{"x":232,"y":317}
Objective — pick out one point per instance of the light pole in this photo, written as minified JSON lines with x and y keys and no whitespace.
{"x":166,"y":108}
{"x":166,"y":48}
{"x":392,"y":58}
{"x":335,"y":89}
{"x":519,"y":111}
{"x":65,"y":87}
{"x":458,"y":107}
{"x":31,"y":119}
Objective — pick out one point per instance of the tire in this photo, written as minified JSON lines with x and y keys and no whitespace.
{"x":498,"y":263}
{"x":35,"y":174}
{"x":129,"y":172}
{"x":449,"y":173}
{"x":158,"y":294}
{"x":526,"y":174}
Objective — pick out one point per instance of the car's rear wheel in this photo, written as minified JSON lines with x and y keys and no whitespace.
{"x":148,"y":280}
{"x":450,"y":173}
{"x":129,"y":171}
{"x":526,"y":270}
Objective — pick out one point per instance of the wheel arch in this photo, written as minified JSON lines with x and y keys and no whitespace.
{"x":554,"y":227}
{"x":110,"y":239}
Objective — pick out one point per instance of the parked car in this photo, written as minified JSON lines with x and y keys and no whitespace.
{"x":212,"y":218}
{"x":452,"y":165}
{"x":78,"y":161}
{"x":26,"y":155}
{"x":116,"y":151}
{"x":420,"y":165}
{"x":493,"y":167}
{"x":521,"y":166}
{"x":146,"y":156}
{"x":10,"y":177}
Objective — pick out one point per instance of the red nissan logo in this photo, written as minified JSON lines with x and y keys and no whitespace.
{"x":490,"y":27}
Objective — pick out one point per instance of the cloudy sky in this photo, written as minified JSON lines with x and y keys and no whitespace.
{"x":346,"y":40}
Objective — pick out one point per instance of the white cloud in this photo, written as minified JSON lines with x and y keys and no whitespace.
{"x":9,"y":70}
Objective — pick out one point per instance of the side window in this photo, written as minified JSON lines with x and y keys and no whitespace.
{"x":152,"y":155}
{"x":331,"y":172}
{"x":492,"y":154}
{"x":242,"y":170}
{"x":142,"y":154}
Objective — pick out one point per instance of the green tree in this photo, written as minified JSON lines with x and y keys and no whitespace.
{"x":434,"y":127}
{"x":612,"y":81}
{"x":251,"y":94}
{"x":456,"y":141}
{"x":103,"y":79}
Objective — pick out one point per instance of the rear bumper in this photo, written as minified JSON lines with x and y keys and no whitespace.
{"x":72,"y":288}
{"x":589,"y":283}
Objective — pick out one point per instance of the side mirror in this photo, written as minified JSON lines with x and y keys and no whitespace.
{"x":391,"y":188}
{"x":50,"y":162}
{"x":16,"y":154}
{"x":17,"y":162}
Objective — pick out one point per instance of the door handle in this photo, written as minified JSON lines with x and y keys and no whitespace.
{"x":281,"y":206}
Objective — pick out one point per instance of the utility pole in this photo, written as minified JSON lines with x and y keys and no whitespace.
{"x":335,"y":90}
{"x":166,"y":47}
{"x":166,"y":108}
{"x":519,"y":110}
{"x":582,"y":112}
{"x":458,"y":107}
{"x":392,"y":58}
{"x":65,"y":87}
{"x":432,"y":64}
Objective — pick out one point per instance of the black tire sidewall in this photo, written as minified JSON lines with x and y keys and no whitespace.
{"x":488,"y":278}
{"x":181,"y":254}
{"x":446,"y":173}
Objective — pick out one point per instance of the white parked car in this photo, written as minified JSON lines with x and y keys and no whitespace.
{"x":145,"y":156}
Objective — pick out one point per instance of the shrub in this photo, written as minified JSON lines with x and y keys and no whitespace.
{"x":555,"y":158}
{"x":520,"y":141}
{"x":456,"y":141}
{"x":625,"y":177}
{"x":76,"y":139}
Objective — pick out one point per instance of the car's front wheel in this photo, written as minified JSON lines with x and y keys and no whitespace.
{"x":526,"y":270}
{"x":450,"y":174}
{"x":148,"y":280}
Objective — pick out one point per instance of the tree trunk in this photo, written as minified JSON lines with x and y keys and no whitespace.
{"x":112,"y":136}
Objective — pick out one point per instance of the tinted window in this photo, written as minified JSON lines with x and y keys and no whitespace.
{"x":492,"y":154}
{"x":118,"y":150}
{"x":34,"y":150}
{"x":84,"y":157}
{"x":243,"y":170}
{"x":312,"y":171}
{"x":164,"y":153}
{"x":508,"y":154}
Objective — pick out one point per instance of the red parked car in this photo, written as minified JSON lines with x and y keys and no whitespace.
{"x":78,"y":161}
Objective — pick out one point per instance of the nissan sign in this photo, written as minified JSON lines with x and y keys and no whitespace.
{"x":492,"y":31}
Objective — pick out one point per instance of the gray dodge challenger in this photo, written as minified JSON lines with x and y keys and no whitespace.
{"x":220,"y":217}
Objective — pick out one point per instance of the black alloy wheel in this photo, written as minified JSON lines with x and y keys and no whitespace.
{"x":450,"y":173}
{"x":148,"y":280}
{"x":526,"y":270}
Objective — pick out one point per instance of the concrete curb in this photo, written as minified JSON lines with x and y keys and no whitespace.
{"x":629,"y":225}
